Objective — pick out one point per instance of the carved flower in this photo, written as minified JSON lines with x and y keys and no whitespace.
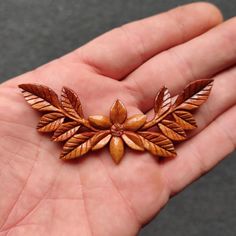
{"x":121,"y":130}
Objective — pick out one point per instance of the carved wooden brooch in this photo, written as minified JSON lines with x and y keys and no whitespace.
{"x":66,"y":120}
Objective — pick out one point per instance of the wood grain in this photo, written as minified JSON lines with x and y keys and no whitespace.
{"x":162,"y":102}
{"x":40,"y":97}
{"x":185,"y":120}
{"x":116,"y":149}
{"x":71,"y":103}
{"x":157,"y":144}
{"x":133,"y":140}
{"x":172,"y":130}
{"x":65,"y":131}
{"x":65,"y":119}
{"x":194,"y":95}
{"x":135,"y":122}
{"x":50,"y":122}
{"x":99,"y":121}
{"x":118,"y":112}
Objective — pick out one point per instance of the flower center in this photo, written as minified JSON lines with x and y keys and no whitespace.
{"x":117,"y":130}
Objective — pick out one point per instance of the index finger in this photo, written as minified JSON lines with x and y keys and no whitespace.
{"x":118,"y":52}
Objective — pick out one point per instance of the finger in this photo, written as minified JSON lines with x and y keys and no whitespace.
{"x":199,"y":58}
{"x":222,"y":97}
{"x":120,"y":51}
{"x":202,"y":153}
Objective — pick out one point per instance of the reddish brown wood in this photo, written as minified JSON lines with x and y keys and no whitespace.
{"x":71,"y":104}
{"x":185,"y":120}
{"x":172,"y":130}
{"x":157,"y":144}
{"x":65,"y":131}
{"x":64,"y":117}
{"x":162,"y":102}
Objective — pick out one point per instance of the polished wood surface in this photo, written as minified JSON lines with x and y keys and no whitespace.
{"x":65,"y":119}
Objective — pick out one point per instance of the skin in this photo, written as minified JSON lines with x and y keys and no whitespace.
{"x":42,"y":195}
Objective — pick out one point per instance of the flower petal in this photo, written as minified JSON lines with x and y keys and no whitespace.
{"x":118,"y":112}
{"x":98,"y":121}
{"x":133,"y":140}
{"x":102,"y":143}
{"x":116,"y":149}
{"x":135,"y":122}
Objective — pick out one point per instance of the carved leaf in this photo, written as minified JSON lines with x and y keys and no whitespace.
{"x":185,"y":120}
{"x":116,"y":149}
{"x":65,"y":131}
{"x":135,"y":122}
{"x":50,"y":122}
{"x":99,"y":121}
{"x":40,"y":97}
{"x":71,"y":103}
{"x":162,"y":102}
{"x":118,"y":112}
{"x":80,"y":144}
{"x":194,"y":95}
{"x":157,"y":144}
{"x":133,"y":140}
{"x":172,"y":130}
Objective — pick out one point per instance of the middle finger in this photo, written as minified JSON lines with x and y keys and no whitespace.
{"x":199,"y":58}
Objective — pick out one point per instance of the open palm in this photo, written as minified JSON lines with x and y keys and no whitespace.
{"x":42,"y":195}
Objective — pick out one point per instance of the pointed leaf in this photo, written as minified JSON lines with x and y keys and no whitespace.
{"x":135,"y":122}
{"x":162,"y":102}
{"x":99,"y":121}
{"x":157,"y":144}
{"x":71,"y":103}
{"x":118,"y":112}
{"x":194,"y":95}
{"x":172,"y":130}
{"x":133,"y":140}
{"x":80,"y":144}
{"x":50,"y":122}
{"x":116,"y":149}
{"x":185,"y":120}
{"x":40,"y":97}
{"x":77,"y":146}
{"x":65,"y":131}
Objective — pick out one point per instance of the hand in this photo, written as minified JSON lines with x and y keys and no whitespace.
{"x":42,"y":195}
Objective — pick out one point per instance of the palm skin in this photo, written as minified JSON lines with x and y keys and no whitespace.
{"x":43,"y":195}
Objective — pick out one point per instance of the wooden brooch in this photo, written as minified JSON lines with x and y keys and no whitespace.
{"x":65,"y":119}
